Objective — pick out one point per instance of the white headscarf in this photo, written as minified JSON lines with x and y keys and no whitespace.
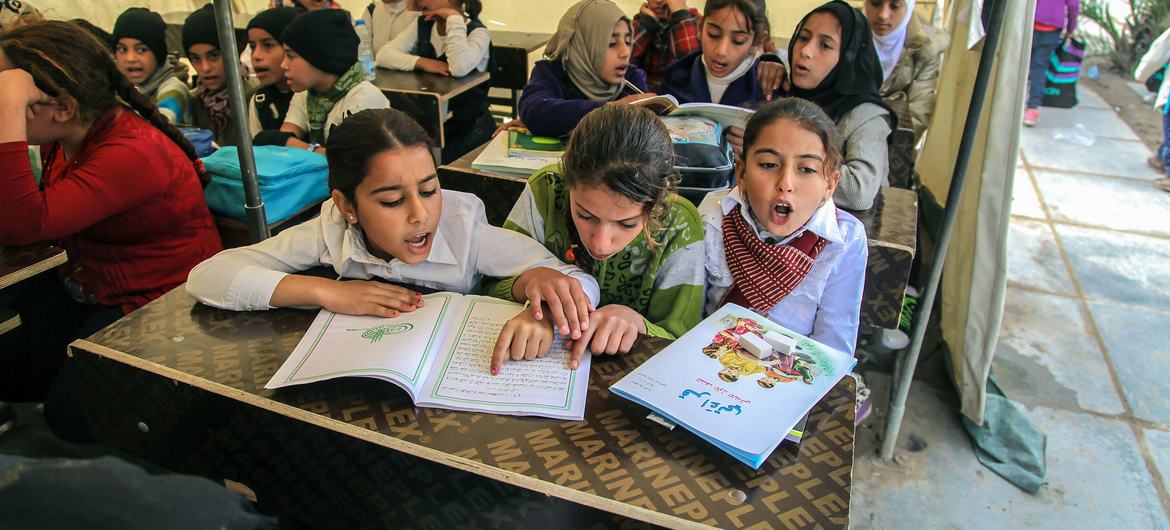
{"x":889,"y":47}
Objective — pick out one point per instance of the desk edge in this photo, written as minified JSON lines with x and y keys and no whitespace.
{"x":433,"y":455}
{"x":29,"y":272}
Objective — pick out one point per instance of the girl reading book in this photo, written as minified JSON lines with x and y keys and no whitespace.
{"x":610,"y":208}
{"x":387,"y":219}
{"x":776,"y":242}
{"x":586,"y":65}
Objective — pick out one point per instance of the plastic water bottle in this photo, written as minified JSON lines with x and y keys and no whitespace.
{"x":365,"y":48}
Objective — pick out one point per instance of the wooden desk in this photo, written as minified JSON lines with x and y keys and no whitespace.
{"x":181,"y":385}
{"x":9,"y":321}
{"x":174,"y":34}
{"x":22,"y":263}
{"x":425,"y":97}
{"x":510,"y":51}
{"x":891,"y":225}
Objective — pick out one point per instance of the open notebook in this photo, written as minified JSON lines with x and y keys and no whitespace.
{"x":440,"y":354}
{"x":709,"y":382}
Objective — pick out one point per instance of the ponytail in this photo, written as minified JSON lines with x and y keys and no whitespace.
{"x":472,"y":7}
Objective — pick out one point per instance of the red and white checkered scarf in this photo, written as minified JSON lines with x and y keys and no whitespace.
{"x":764,"y":274}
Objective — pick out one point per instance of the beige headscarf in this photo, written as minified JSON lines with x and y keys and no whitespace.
{"x":581,"y":41}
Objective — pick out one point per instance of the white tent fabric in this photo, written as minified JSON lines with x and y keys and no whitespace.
{"x":975,"y":277}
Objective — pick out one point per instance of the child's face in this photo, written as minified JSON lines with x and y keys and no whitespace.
{"x":816,"y":51}
{"x":884,"y":15}
{"x":300,"y":74}
{"x":783,"y":177}
{"x":135,"y":60}
{"x":431,"y":5}
{"x":617,"y":56}
{"x":312,"y":5}
{"x":605,"y":220}
{"x":727,"y":41}
{"x":397,"y":205}
{"x":208,"y":63}
{"x":267,"y":54}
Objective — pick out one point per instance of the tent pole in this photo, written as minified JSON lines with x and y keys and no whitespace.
{"x":905,"y":376}
{"x":253,"y":203}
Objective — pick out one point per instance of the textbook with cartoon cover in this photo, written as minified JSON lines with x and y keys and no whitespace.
{"x":440,"y":354}
{"x":738,"y":381}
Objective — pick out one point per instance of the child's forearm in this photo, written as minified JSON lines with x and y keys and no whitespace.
{"x":295,"y":290}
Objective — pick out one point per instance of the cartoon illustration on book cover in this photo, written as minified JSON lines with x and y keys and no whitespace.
{"x":745,"y":348}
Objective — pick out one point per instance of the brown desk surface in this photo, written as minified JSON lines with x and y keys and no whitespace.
{"x":523,"y":40}
{"x":614,"y":461}
{"x":21,"y":263}
{"x":442,"y":87}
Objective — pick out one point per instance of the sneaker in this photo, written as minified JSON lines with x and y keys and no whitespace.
{"x":1163,"y":183}
{"x":864,"y":407}
{"x":1030,"y":117}
{"x":1156,"y":163}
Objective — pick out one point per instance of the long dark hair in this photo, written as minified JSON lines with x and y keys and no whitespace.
{"x":64,"y":59}
{"x":753,"y":10}
{"x":628,"y":149}
{"x":361,"y":137}
{"x":472,"y":7}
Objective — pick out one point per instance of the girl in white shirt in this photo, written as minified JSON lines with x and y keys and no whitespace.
{"x":776,"y":243}
{"x":386,"y":219}
{"x":389,"y":18}
{"x":449,"y":40}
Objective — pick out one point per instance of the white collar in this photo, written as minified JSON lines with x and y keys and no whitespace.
{"x":822,"y":223}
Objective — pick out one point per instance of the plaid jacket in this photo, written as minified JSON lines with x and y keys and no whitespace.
{"x":657,"y":44}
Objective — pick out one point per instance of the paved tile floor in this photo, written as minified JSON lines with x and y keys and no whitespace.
{"x":1084,"y":348}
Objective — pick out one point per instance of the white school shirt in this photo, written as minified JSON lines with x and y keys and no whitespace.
{"x":386,"y":22}
{"x":464,"y":52}
{"x":465,"y":249}
{"x":827,"y":303}
{"x":362,"y":96}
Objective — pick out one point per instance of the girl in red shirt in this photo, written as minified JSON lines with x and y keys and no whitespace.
{"x":120,"y":193}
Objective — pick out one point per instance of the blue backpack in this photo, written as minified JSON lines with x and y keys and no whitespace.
{"x":290,"y":179}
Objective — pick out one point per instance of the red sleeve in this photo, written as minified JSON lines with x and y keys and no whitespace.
{"x":684,"y":36}
{"x":113,"y":179}
{"x":644,"y":29}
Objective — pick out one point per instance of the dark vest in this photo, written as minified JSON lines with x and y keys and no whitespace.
{"x":271,"y":107}
{"x":465,"y":107}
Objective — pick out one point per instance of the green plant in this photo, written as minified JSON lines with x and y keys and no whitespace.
{"x":1129,"y":37}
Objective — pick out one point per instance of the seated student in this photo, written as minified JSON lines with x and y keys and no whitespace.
{"x":776,"y":243}
{"x":141,"y":54}
{"x":586,"y":65}
{"x":449,"y":40}
{"x":387,"y":219}
{"x":664,"y":31}
{"x":209,"y":107}
{"x":269,"y":105}
{"x":121,"y":194}
{"x":909,"y":53}
{"x":724,"y":69}
{"x":835,"y":66}
{"x":388,"y":18}
{"x":610,"y":208}
{"x":321,"y":65}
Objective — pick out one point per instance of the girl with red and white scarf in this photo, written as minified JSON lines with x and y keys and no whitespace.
{"x":776,"y":243}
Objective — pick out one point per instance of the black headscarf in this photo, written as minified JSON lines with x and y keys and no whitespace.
{"x":857,"y":77}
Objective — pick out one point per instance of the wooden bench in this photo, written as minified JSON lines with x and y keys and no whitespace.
{"x":891,"y":225}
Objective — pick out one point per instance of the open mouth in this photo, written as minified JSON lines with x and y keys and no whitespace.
{"x":418,"y":244}
{"x":780,"y":212}
{"x":260,"y":69}
{"x":621,"y":70}
{"x":800,"y":69}
{"x":718,"y":66}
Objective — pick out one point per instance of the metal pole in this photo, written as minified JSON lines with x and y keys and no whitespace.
{"x":253,"y":203}
{"x":905,"y":374}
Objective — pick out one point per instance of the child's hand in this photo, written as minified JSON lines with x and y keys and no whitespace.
{"x":567,"y":301}
{"x":772,"y":77}
{"x":734,"y":137}
{"x":615,"y":327}
{"x":18,"y":90}
{"x":523,"y":337}
{"x":649,"y":11}
{"x":365,"y":297}
{"x":433,"y":66}
{"x":516,"y":123}
{"x":673,"y":6}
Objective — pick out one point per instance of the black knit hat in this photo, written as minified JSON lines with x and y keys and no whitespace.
{"x":199,"y":28}
{"x":145,"y":25}
{"x":274,"y":20}
{"x":325,"y":38}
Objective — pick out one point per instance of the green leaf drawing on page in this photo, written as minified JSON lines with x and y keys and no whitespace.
{"x":376,"y":333}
